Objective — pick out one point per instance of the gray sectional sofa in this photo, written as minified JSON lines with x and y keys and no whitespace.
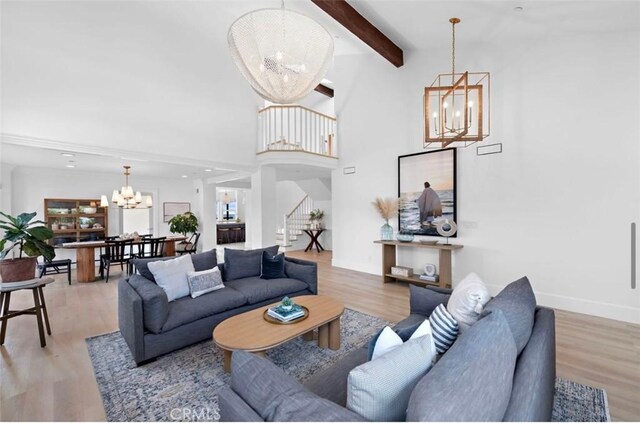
{"x":152,"y":326}
{"x":501,"y":369}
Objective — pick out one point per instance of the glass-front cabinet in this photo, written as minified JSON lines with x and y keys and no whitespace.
{"x":75,"y":220}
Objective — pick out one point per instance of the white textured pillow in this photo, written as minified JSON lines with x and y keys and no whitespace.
{"x":204,"y":282}
{"x":468,"y":300}
{"x":171,"y":275}
{"x":379,"y":390}
{"x":389,"y":340}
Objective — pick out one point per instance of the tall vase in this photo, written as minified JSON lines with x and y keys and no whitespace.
{"x":386,"y":232}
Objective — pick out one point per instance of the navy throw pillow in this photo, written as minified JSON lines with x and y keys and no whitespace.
{"x":272,"y":266}
{"x":403,"y":333}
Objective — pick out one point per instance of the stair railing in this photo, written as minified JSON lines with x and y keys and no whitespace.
{"x":297,"y":219}
{"x":296,"y":128}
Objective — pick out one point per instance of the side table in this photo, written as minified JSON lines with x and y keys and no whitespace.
{"x":314,"y":234}
{"x":39,"y":309}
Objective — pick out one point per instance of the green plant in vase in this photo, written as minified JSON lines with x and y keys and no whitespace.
{"x":287,"y":303}
{"x":316,"y":216}
{"x":186,"y":223}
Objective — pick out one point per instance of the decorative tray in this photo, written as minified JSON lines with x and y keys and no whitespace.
{"x":275,"y":321}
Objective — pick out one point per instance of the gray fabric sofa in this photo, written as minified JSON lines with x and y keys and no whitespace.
{"x":152,"y":326}
{"x":501,"y":369}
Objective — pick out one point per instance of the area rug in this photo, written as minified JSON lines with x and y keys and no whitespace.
{"x":183,"y":385}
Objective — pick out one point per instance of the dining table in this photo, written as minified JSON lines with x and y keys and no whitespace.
{"x":86,"y":254}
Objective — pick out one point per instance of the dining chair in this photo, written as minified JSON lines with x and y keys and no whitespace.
{"x":192,"y":245}
{"x":116,"y":252}
{"x":55,"y":267}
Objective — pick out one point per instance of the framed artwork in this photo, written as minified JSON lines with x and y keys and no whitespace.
{"x":427,"y":191}
{"x":174,"y":209}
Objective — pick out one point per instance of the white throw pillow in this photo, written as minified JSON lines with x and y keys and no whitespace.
{"x":203,"y":282}
{"x":171,"y":275}
{"x":379,"y":390}
{"x":468,"y":300}
{"x":389,"y":340}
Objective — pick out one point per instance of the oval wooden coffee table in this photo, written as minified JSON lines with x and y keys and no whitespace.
{"x":250,"y":332}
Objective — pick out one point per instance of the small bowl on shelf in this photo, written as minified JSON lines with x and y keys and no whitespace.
{"x":89,"y":210}
{"x":84,"y":226}
{"x":404,"y":237}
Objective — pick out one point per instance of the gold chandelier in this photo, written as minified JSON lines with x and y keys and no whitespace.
{"x":456,"y":105}
{"x":126,"y":198}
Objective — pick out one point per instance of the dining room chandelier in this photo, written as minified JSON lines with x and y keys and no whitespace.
{"x":281,"y":53}
{"x":456,"y":105}
{"x":126,"y":198}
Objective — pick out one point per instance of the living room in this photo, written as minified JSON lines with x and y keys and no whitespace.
{"x":549,"y":189}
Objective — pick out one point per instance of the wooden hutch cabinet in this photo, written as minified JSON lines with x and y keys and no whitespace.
{"x":73,"y":220}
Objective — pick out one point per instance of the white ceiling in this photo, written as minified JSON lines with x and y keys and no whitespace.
{"x":156,"y":78}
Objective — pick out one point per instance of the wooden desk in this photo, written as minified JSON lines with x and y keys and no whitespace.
{"x":444,"y":267}
{"x":39,"y":308}
{"x":86,"y":253}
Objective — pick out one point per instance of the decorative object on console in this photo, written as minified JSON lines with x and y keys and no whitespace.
{"x":430,"y":269}
{"x":29,"y":237}
{"x":402,"y":271}
{"x":126,"y":198}
{"x":388,"y":208}
{"x":429,"y":278}
{"x":427,"y":191}
{"x":405,"y":236}
{"x":316,"y":217}
{"x":447,"y":228}
{"x":281,"y":53}
{"x":456,"y":105}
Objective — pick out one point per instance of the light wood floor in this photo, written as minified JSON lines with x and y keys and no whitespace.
{"x":57,"y":382}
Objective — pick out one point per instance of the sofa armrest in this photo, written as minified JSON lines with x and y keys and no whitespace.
{"x":155,"y":303}
{"x":276,"y":396}
{"x":130,"y":319}
{"x":424,"y":300}
{"x":306,"y":271}
{"x":234,"y":409}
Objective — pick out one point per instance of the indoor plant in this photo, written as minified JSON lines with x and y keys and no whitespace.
{"x":29,"y":237}
{"x":186,"y":223}
{"x":388,"y":208}
{"x":316,"y":216}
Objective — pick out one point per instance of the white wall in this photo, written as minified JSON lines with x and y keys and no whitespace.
{"x":32,"y":185}
{"x":555,"y":206}
{"x":288,"y":195}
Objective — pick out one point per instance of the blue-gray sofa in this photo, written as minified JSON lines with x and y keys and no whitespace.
{"x":501,"y":369}
{"x":152,"y":326}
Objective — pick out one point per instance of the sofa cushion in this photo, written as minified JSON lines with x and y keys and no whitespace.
{"x":472,"y":381}
{"x":186,"y":310}
{"x":425,"y":300}
{"x":307,"y":273}
{"x":518,"y":303}
{"x":276,"y":396}
{"x":239,"y":264}
{"x":272,"y":266}
{"x":155,"y":304}
{"x":201,"y":261}
{"x":171,"y":275}
{"x":257,"y":290}
{"x":379,"y":389}
{"x":468,"y":300}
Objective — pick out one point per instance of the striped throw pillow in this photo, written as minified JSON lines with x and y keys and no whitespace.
{"x":444,"y":328}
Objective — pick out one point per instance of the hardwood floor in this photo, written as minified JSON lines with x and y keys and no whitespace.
{"x":57,"y":382}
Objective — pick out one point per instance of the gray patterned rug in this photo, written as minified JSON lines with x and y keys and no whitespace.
{"x":183,"y":385}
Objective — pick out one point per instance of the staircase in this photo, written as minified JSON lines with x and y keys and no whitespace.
{"x":288,"y":236}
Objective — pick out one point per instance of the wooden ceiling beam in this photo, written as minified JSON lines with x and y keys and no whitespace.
{"x":349,"y":17}
{"x":323,"y":89}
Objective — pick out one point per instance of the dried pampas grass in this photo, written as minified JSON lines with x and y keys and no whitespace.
{"x":387,"y":207}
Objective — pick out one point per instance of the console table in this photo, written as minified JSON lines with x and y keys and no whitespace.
{"x":444,"y":266}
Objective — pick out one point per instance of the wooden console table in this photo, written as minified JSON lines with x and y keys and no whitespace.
{"x":444,"y":267}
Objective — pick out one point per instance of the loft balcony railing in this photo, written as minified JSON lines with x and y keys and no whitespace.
{"x":296,"y":128}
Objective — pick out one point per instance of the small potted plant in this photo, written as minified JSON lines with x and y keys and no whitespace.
{"x":287,"y":303}
{"x":316,"y":217}
{"x":29,"y":238}
{"x":183,"y":224}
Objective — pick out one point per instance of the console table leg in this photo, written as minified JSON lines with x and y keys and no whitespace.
{"x":334,"y":334}
{"x":323,"y":336}
{"x":388,"y":261}
{"x":445,"y":268}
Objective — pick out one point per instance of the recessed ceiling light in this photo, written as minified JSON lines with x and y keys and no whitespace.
{"x":518,"y":8}
{"x":184,"y":176}
{"x":208,"y":170}
{"x":70,"y":166}
{"x":68,"y":154}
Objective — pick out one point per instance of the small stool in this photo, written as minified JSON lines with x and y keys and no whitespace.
{"x":236,"y":234}
{"x":223,"y":236}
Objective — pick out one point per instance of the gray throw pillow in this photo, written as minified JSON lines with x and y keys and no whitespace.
{"x":379,"y":389}
{"x":425,"y":300}
{"x":201,"y":261}
{"x":239,"y":264}
{"x":518,"y":303}
{"x":204,"y":282}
